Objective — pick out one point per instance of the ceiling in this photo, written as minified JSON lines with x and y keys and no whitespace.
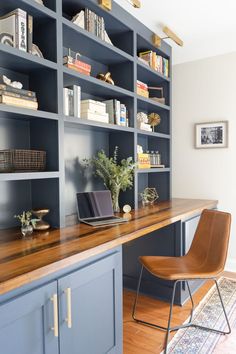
{"x":207,"y":27}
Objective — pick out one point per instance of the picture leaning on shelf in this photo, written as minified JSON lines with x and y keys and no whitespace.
{"x":92,"y":23}
{"x":16,"y":30}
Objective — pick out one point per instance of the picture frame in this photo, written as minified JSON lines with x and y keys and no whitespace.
{"x":211,"y":135}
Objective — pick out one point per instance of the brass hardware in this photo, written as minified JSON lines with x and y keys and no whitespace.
{"x":156,"y":40}
{"x":106,"y":4}
{"x":69,"y":313}
{"x":135,"y":3}
{"x":55,"y":315}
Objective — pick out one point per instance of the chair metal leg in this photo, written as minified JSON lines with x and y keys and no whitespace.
{"x":169,"y":329}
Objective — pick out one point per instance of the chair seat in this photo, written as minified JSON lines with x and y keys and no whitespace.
{"x":177,"y":268}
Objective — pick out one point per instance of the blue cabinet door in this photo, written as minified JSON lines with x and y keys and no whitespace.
{"x":93,"y":294}
{"x":26,"y":323}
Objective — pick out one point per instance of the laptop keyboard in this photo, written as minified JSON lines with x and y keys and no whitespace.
{"x":101,"y":219}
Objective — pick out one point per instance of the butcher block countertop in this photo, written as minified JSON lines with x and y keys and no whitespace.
{"x":25,"y":260}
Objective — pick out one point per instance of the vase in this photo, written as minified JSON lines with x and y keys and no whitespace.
{"x":115,"y":193}
{"x":26,"y":230}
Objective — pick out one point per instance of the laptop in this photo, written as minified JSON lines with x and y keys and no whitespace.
{"x":95,"y":208}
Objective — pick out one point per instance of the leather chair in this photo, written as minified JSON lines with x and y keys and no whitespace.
{"x":205,"y":260}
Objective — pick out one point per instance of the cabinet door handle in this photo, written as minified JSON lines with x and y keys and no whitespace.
{"x":55,"y":315}
{"x":68,"y":301}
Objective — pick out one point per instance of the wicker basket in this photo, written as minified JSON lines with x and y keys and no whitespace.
{"x":22,"y":160}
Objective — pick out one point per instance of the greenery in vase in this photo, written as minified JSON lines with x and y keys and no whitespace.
{"x":25,"y":219}
{"x":116,"y":176}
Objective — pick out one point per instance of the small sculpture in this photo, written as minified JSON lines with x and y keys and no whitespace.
{"x":149,"y":196}
{"x":36,"y":51}
{"x":106,"y":77}
{"x":40,"y":224}
{"x":154,"y":119}
{"x":15,"y":84}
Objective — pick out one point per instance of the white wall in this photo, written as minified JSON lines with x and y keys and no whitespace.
{"x":205,"y":90}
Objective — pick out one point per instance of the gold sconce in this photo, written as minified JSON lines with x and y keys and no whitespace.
{"x":106,"y":4}
{"x":135,"y":3}
{"x":156,"y":40}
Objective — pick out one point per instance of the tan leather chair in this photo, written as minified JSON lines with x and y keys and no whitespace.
{"x":205,"y":260}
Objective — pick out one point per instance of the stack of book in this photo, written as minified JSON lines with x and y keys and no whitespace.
{"x":18,"y":97}
{"x":93,"y":23}
{"x":72,"y":97}
{"x":16,"y":30}
{"x":94,"y":110}
{"x":77,"y":65}
{"x":118,"y":113}
{"x":142,"y":89}
{"x":156,"y":62}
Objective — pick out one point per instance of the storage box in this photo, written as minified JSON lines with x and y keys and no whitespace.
{"x":93,"y":106}
{"x":22,"y":160}
{"x":98,"y":117}
{"x":144,"y":161}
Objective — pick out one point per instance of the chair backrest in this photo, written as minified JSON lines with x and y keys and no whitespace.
{"x":211,"y":239}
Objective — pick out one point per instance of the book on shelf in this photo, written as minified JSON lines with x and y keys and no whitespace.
{"x":156,"y":62}
{"x":21,"y":92}
{"x":93,"y":106}
{"x":96,"y":116}
{"x":16,"y":95}
{"x":29,"y":33}
{"x":18,"y":102}
{"x":117,"y":111}
{"x":76,"y":100}
{"x":68,"y":102}
{"x":13,"y":29}
{"x":77,"y":65}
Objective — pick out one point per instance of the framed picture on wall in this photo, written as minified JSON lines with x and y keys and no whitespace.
{"x":211,"y":135}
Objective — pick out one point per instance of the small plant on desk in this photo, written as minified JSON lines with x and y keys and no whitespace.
{"x":116,"y":176}
{"x":27,"y":223}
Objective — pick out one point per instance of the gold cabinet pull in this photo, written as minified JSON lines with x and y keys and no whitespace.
{"x":55,"y":315}
{"x":68,"y":301}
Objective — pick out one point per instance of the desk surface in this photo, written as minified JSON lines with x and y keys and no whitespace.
{"x":25,"y":260}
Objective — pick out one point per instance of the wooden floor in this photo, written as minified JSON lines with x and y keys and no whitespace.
{"x":140,"y":339}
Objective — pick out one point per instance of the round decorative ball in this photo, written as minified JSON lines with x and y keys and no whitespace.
{"x":126,"y":208}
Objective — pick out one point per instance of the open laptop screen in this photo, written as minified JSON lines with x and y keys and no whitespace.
{"x":94,"y":204}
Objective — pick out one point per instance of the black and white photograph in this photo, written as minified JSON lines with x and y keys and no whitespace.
{"x":211,"y":135}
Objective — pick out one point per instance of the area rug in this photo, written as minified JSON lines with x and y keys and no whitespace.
{"x":209,"y":313}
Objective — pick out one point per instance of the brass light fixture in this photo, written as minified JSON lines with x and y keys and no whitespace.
{"x":156,"y":40}
{"x":106,"y":4}
{"x":135,"y":3}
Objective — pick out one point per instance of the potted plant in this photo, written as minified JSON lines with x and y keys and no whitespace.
{"x":116,"y":176}
{"x":27,"y":223}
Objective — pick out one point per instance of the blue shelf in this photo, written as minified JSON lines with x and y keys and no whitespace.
{"x":153,"y":134}
{"x":96,"y":87}
{"x":30,"y":6}
{"x":147,"y":74}
{"x":17,"y":60}
{"x":95,"y":48}
{"x":93,"y":125}
{"x":153,"y":170}
{"x":148,"y":103}
{"x":23,"y":176}
{"x":24,"y":113}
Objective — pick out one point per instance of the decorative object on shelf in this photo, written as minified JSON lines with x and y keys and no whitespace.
{"x":106,"y":77}
{"x":94,"y":110}
{"x":27,"y":223}
{"x":116,"y":176}
{"x":126,"y":208}
{"x":106,"y":4}
{"x":22,"y":160}
{"x":155,"y":159}
{"x":76,"y":64}
{"x":153,"y":91}
{"x":156,"y":40}
{"x":39,"y":223}
{"x":154,"y":119}
{"x":142,"y":89}
{"x":15,"y":84}
{"x":149,"y":196}
{"x":36,"y":51}
{"x":211,"y":135}
{"x":142,"y":120}
{"x":144,"y":160}
{"x":13,"y":29}
{"x":39,"y":2}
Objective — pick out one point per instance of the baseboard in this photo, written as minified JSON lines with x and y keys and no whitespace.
{"x":230,"y":265}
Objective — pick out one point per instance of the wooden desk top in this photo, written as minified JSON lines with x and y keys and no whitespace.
{"x":25,"y":260}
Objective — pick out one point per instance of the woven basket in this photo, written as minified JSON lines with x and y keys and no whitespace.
{"x":22,"y":160}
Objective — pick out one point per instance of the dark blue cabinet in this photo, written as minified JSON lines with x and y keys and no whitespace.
{"x":27,"y":322}
{"x":90,"y":308}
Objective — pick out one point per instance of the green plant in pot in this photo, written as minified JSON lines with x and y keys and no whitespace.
{"x":116,"y":176}
{"x":27,"y":223}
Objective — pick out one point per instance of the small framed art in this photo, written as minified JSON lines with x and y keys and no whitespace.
{"x":211,"y":135}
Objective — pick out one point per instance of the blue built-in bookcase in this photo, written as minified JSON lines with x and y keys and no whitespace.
{"x":67,"y":140}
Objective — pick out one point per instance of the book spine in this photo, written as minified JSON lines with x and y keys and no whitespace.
{"x":86,"y":18}
{"x":18,"y":102}
{"x":21,"y":30}
{"x":71,"y":102}
{"x":66,"y":101}
{"x":16,"y":95}
{"x":30,"y":33}
{"x":122,"y":115}
{"x":17,"y":91}
{"x":117,"y":112}
{"x":77,"y":99}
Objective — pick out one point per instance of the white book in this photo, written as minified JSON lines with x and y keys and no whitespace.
{"x":76,"y":100}
{"x":78,"y":19}
{"x":98,"y":117}
{"x":68,"y":101}
{"x":110,"y":109}
{"x":117,"y":112}
{"x":13,"y":29}
{"x":92,"y":105}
